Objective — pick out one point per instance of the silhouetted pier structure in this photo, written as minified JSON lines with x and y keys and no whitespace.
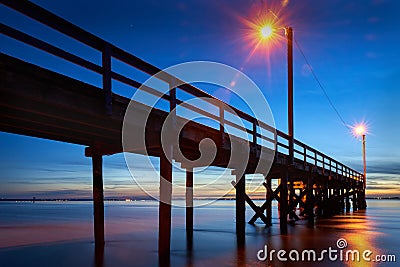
{"x":42,"y":103}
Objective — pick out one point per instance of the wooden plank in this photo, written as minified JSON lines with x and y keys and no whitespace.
{"x":51,"y":49}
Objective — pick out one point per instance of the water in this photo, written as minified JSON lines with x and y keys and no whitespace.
{"x":61,"y":234}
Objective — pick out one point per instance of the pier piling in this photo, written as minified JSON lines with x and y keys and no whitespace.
{"x":240,"y":209}
{"x":189,"y":208}
{"x":98,"y":199}
{"x":164,"y":217}
{"x":284,"y":203}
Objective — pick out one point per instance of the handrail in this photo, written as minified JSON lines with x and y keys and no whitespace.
{"x":110,"y":51}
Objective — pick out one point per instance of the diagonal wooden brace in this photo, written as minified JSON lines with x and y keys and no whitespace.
{"x":274,"y":195}
{"x":256,"y":208}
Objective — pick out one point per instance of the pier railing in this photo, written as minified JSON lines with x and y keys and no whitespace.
{"x":257,"y":133}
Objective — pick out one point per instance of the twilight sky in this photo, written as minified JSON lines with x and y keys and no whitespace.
{"x":352,"y":47}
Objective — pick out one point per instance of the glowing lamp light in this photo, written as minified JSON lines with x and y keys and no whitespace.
{"x":266,"y":31}
{"x":360,"y":130}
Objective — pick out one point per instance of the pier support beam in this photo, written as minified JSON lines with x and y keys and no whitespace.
{"x":342,"y":198}
{"x":347,"y":198}
{"x":240,"y":209}
{"x":284,"y":203}
{"x":355,"y":199}
{"x":269,"y":198}
{"x":98,"y":200}
{"x":292,"y":194}
{"x":326,"y":199}
{"x":335,"y":204}
{"x":164,"y":217}
{"x":189,"y":208}
{"x":310,"y":199}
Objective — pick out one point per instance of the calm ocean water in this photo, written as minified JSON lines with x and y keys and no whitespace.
{"x":61,"y":234}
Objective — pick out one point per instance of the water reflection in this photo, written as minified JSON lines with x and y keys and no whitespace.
{"x":357,"y":229}
{"x":241,"y":256}
{"x":360,"y":236}
{"x":132,"y":236}
{"x":99,"y":256}
{"x":189,"y":248}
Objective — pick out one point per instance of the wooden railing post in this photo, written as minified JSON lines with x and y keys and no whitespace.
{"x":315,"y":158}
{"x":221,"y":118}
{"x":291,"y":150}
{"x":222,"y":122}
{"x":255,"y":131}
{"x":172,"y":97}
{"x":107,"y":84}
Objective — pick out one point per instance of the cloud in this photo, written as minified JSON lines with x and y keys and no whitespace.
{"x":59,"y":194}
{"x":387,"y":168}
{"x":382,"y":166}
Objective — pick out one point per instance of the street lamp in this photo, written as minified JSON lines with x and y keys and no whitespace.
{"x":361,"y":130}
{"x":266,"y":32}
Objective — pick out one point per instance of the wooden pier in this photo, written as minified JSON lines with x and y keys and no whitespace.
{"x":41,"y":103}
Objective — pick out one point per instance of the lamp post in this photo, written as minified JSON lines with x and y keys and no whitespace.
{"x":266,"y":32}
{"x":289,"y":36}
{"x":360,"y":130}
{"x":364,"y":202}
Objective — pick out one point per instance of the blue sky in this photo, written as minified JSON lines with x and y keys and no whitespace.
{"x":351,"y":45}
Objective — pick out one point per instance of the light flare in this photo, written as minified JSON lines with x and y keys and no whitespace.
{"x":360,"y":129}
{"x":263,"y":30}
{"x":266,"y":31}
